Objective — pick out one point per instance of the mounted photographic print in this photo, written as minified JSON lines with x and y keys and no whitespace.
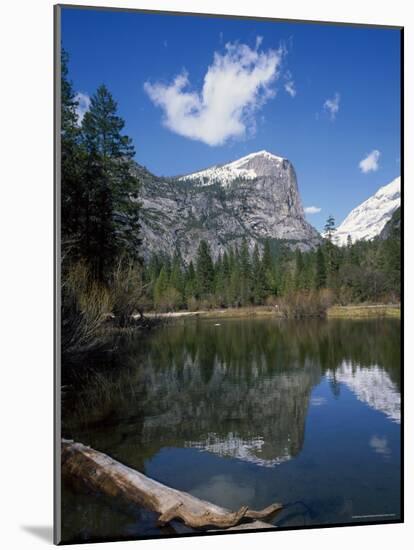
{"x":228,"y":274}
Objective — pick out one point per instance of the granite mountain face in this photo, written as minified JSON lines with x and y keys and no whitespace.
{"x":255,"y":197}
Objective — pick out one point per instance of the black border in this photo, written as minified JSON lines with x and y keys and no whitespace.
{"x":56,"y":275}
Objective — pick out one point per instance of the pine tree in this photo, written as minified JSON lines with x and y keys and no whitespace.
{"x":160,"y":288}
{"x":204,"y":269}
{"x":112,"y":190}
{"x":72,"y":163}
{"x":234,"y":277}
{"x":267,"y":256}
{"x":331,"y":254}
{"x":308,"y":275}
{"x":299,"y":269}
{"x":177,"y":276}
{"x":245,"y":273}
{"x":287,"y":279}
{"x":330,"y":228}
{"x":220,"y":283}
{"x":226,"y":276}
{"x":320,"y":277}
{"x":226,"y":267}
{"x":190,"y":284}
{"x":268,"y":269}
{"x":69,"y":117}
{"x":153,"y":267}
{"x":259,"y":280}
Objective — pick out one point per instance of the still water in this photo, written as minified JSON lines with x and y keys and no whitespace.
{"x":245,"y":412}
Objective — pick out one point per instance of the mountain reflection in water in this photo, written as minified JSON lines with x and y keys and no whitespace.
{"x":371,"y":385}
{"x":308,"y":399}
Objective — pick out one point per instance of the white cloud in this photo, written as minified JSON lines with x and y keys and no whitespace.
{"x":236,"y":84}
{"x":370,"y":162}
{"x":289,"y":84}
{"x":84,"y":102}
{"x":312,"y":209}
{"x":290,"y":88}
{"x":332,"y":105}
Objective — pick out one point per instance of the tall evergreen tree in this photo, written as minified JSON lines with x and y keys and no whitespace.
{"x":320,"y":276}
{"x":268,"y":269}
{"x":245,"y":273}
{"x":220,"y":283}
{"x":258,"y":277}
{"x":177,"y":276}
{"x":330,"y":228}
{"x":299,"y":269}
{"x":72,"y":162}
{"x":112,"y":189}
{"x":204,"y":269}
{"x":331,"y":253}
{"x":161,"y":287}
{"x":190,"y":283}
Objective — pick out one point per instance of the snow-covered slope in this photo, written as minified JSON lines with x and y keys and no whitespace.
{"x":373,"y":386}
{"x":244,"y":168}
{"x":367,"y":220}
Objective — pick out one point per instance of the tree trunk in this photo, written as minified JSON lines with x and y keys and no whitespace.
{"x":99,"y":472}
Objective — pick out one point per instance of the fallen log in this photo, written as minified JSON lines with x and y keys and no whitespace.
{"x":99,"y":472}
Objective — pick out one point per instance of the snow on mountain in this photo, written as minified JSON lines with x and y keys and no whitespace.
{"x":367,"y":220}
{"x":237,"y":447}
{"x":243,"y":168}
{"x":372,"y":386}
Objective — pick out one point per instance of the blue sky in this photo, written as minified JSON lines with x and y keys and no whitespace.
{"x":325,"y":97}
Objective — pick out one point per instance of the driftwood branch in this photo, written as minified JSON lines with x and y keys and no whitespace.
{"x":99,"y":472}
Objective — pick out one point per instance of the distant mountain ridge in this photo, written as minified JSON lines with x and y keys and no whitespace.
{"x":367,"y":220}
{"x":254,"y":197}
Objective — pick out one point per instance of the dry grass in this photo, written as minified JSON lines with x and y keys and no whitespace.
{"x":85,"y":306}
{"x":242,"y":312}
{"x":364,"y":311}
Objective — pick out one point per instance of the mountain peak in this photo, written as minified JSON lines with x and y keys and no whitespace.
{"x":249,"y":167}
{"x":391,"y":189}
{"x":254,"y":197}
{"x":367,"y":220}
{"x":263,"y":153}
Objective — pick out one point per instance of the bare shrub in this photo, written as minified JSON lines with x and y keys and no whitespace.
{"x":85,"y":306}
{"x":272,"y":301}
{"x":306,"y":304}
{"x":128,"y":292}
{"x":192,"y":304}
{"x":169,"y":300}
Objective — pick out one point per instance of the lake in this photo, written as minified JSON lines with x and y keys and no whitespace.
{"x":244,"y":412}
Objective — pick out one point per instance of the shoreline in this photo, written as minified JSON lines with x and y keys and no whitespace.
{"x":365,"y":311}
{"x":334,"y":312}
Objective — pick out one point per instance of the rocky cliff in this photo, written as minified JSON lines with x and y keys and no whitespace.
{"x":256,"y":197}
{"x":393,"y":227}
